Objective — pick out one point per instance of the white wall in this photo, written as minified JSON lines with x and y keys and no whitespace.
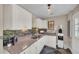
{"x":74,"y":43}
{"x":61,"y":20}
{"x":15,"y":17}
{"x":39,"y":23}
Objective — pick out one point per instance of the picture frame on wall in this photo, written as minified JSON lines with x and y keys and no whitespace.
{"x":51,"y":25}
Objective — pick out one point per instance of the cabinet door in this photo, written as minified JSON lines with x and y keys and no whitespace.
{"x":31,"y":50}
{"x":1,"y":28}
{"x":51,"y":41}
{"x":23,"y":16}
{"x":60,"y":43}
{"x":41,"y":44}
{"x":36,"y":47}
{"x":1,"y":46}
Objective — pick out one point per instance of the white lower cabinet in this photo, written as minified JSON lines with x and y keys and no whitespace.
{"x":1,"y":46}
{"x":51,"y":41}
{"x":38,"y":45}
{"x":61,"y":43}
{"x":41,"y":44}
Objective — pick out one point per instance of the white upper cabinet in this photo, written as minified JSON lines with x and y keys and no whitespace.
{"x":7,"y":17}
{"x":1,"y":28}
{"x":21,"y":18}
{"x":16,"y":17}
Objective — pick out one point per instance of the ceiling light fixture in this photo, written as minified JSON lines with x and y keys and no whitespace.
{"x":49,"y":8}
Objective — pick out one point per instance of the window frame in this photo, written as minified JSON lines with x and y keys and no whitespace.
{"x":76,"y":31}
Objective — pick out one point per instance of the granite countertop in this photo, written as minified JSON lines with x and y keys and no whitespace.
{"x":23,"y":43}
{"x":52,"y":34}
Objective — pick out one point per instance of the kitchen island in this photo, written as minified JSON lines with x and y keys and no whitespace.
{"x":28,"y":45}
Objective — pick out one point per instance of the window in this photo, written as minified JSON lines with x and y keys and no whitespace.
{"x":76,"y":27}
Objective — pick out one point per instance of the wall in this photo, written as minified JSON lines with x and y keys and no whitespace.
{"x":74,"y":43}
{"x":61,"y":20}
{"x":39,"y":23}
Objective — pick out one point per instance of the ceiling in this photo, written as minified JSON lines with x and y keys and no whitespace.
{"x":41,"y":10}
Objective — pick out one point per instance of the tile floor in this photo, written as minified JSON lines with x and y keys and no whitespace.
{"x":49,"y":50}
